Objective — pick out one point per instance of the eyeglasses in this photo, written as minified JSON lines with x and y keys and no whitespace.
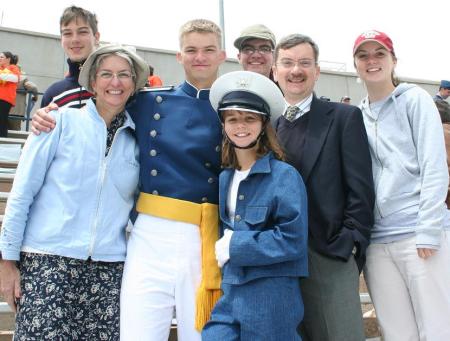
{"x":122,"y":75}
{"x":303,"y":63}
{"x":249,"y":50}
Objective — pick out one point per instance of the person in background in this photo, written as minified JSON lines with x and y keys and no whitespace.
{"x":440,"y":99}
{"x":263,"y":213}
{"x":153,"y":80}
{"x":408,"y":259}
{"x":255,"y":45}
{"x":24,"y":87}
{"x":9,"y":77}
{"x":444,"y":91}
{"x":346,"y":100}
{"x":63,"y":240}
{"x":327,"y":143}
{"x":79,"y":37}
{"x":446,"y":126}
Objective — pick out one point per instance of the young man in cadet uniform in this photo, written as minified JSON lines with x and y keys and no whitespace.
{"x":170,"y":262}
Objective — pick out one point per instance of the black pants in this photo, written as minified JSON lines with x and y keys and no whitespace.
{"x":4,"y":112}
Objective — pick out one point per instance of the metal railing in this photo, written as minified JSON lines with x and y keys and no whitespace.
{"x":29,"y":107}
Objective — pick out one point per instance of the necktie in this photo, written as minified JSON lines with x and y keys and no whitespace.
{"x":291,"y":112}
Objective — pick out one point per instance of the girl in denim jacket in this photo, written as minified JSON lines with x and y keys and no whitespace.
{"x":263,"y":213}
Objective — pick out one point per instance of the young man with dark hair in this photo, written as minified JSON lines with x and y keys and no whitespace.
{"x":79,"y":37}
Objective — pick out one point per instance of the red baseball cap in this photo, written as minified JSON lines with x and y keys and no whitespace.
{"x":376,"y":36}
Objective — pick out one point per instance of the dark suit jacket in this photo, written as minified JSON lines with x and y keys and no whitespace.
{"x":337,"y":170}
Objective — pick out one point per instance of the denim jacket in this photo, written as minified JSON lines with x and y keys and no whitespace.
{"x":68,"y":199}
{"x":270,"y":224}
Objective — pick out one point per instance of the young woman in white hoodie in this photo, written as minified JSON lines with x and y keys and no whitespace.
{"x":408,"y":261}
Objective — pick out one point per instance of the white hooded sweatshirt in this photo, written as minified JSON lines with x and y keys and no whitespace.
{"x":409,"y":166}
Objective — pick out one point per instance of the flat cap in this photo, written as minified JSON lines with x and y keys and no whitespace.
{"x":445,"y":84}
{"x":255,"y":32}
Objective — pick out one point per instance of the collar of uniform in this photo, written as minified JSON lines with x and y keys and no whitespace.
{"x":194,"y":92}
{"x":304,"y":105}
{"x":262,"y":165}
{"x":74,"y":68}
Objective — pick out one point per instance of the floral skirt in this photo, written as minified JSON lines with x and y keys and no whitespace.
{"x":68,"y":299}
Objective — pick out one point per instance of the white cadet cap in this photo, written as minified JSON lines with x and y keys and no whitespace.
{"x":140,"y":65}
{"x":247,"y":91}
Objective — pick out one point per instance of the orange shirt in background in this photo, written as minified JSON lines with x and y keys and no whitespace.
{"x":8,"y":89}
{"x":154,"y":81}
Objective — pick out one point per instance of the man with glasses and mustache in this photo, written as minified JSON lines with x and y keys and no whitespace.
{"x":255,"y":45}
{"x":327,"y":143}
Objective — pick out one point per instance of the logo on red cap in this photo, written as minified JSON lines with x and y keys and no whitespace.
{"x":376,"y":36}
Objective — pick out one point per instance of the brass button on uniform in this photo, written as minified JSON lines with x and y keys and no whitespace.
{"x":204,"y":199}
{"x":210,"y":180}
{"x":208,"y":165}
{"x":154,"y":172}
{"x":152,"y":152}
{"x":153,"y":133}
{"x":156,"y":116}
{"x":217,"y":148}
{"x":159,"y":99}
{"x":237,"y":217}
{"x":241,"y":197}
{"x":155,"y":192}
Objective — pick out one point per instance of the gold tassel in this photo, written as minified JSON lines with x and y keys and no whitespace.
{"x":205,"y":302}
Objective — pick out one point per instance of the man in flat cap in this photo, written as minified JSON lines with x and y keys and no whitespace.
{"x":440,"y":100}
{"x":255,"y":45}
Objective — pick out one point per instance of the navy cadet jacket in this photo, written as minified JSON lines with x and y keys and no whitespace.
{"x":179,"y":137}
{"x":270,"y":225}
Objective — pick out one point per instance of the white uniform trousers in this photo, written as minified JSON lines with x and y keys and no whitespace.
{"x":162,"y":273}
{"x":411,"y":295}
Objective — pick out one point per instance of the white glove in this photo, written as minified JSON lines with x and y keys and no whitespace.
{"x":223,"y":248}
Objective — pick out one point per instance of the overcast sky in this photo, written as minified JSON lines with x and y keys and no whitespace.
{"x":417,"y":28}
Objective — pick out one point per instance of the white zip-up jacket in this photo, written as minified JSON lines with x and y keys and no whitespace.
{"x":68,"y":199}
{"x":408,"y":161}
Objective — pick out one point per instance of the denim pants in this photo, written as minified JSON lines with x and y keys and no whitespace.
{"x":266,"y":309}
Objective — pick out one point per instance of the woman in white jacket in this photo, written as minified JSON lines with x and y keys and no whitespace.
{"x":408,"y":261}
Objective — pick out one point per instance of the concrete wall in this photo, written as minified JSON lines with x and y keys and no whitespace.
{"x":42,"y":57}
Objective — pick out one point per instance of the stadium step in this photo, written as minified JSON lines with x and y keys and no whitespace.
{"x":18,"y":134}
{"x":3,"y":198}
{"x":10,"y":140}
{"x":8,"y":164}
{"x":6,"y":181}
